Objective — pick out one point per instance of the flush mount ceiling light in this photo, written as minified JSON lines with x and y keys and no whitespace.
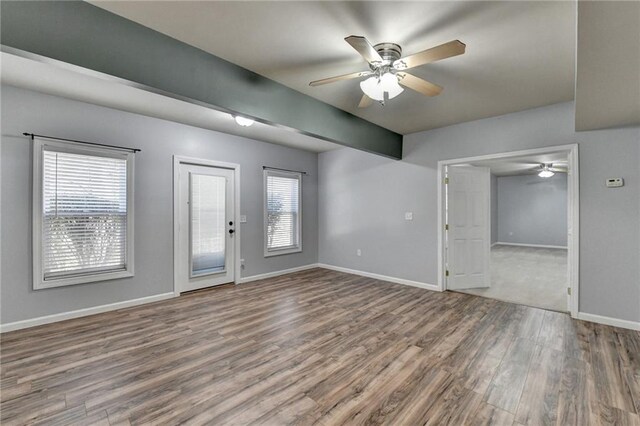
{"x":243,"y":121}
{"x":545,"y":172}
{"x":387,"y":68}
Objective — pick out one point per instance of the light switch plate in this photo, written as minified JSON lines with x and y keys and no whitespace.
{"x":243,"y":218}
{"x":408,"y":216}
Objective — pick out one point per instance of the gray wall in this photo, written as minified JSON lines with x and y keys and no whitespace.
{"x":362,"y":200}
{"x":532,"y":210}
{"x":494,"y":208}
{"x":24,"y":110}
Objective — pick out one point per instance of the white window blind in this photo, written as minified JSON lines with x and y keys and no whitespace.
{"x":84,"y":214}
{"x":208,"y":227}
{"x":282,"y":211}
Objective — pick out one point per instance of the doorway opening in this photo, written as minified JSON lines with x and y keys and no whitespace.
{"x":509,"y":227}
{"x":206,"y":237}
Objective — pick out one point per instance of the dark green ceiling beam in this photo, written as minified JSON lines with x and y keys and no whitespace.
{"x":84,"y":35}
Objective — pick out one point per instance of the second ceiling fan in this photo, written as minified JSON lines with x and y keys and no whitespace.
{"x":386,"y":74}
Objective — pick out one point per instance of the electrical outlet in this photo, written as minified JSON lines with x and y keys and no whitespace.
{"x":408,"y":216}
{"x":241,"y":263}
{"x":359,"y":252}
{"x":243,"y":218}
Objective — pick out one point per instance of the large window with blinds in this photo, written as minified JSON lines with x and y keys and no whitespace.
{"x":83,"y":214}
{"x":283,"y":212}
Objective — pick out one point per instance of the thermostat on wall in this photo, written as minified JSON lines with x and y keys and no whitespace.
{"x":615,"y":182}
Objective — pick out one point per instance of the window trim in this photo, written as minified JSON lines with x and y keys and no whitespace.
{"x":39,"y":146}
{"x":288,"y":250}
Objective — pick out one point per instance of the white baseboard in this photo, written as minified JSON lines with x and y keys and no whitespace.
{"x":615,"y":322}
{"x":125,"y":304}
{"x":82,"y":312}
{"x":276,"y":273}
{"x":632,"y":325}
{"x":528,"y":245}
{"x":403,"y":281}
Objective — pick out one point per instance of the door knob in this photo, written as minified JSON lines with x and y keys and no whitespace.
{"x":231,"y":231}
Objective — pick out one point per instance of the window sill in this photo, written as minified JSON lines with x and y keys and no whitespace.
{"x":81,"y":279}
{"x":271,"y":253}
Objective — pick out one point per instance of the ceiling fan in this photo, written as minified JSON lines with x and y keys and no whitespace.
{"x":546,"y":170}
{"x":386,"y":74}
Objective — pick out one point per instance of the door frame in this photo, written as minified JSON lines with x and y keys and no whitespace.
{"x":573,"y":214}
{"x":177,"y":161}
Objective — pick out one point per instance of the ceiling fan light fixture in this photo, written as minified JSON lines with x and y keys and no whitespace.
{"x":545,"y":172}
{"x":375,"y":87}
{"x":243,"y":121}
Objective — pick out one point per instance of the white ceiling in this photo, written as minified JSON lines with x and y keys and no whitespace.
{"x":520,"y":54}
{"x":80,"y":85}
{"x":522,"y":165}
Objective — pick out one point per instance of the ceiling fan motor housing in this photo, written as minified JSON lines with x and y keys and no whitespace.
{"x":389,"y":51}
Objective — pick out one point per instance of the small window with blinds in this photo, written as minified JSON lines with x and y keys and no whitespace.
{"x":283,"y":216}
{"x":82,"y":214}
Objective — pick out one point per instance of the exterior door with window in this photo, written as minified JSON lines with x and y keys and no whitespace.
{"x":206,"y":226}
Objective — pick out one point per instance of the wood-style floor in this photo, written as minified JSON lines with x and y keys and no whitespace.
{"x":322,"y":347}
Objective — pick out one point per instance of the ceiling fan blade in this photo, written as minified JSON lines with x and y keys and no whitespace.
{"x":365,"y":102}
{"x":418,"y":84}
{"x":447,"y":50}
{"x":340,"y":77}
{"x":364,"y":48}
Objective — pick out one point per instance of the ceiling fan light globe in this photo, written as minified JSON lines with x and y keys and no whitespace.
{"x":387,"y":80}
{"x":546,"y":173}
{"x":389,"y":83}
{"x":243,"y":121}
{"x":372,"y":88}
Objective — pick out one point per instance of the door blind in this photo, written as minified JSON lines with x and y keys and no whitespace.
{"x":283,"y":195}
{"x":208,"y":217}
{"x":84,"y":214}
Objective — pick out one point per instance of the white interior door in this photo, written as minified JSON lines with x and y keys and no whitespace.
{"x":206,"y":227}
{"x":469,"y":234}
